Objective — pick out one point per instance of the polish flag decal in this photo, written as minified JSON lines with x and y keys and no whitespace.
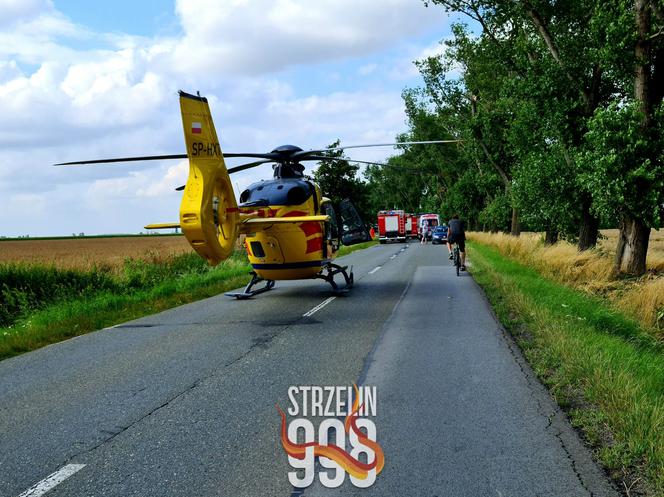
{"x":196,"y":128}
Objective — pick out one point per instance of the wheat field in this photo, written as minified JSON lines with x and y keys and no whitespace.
{"x":592,"y":271}
{"x":86,"y":253}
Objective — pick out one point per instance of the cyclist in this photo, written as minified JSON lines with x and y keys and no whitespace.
{"x":457,"y":234}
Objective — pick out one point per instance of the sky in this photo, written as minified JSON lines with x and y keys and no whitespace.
{"x":86,"y":80}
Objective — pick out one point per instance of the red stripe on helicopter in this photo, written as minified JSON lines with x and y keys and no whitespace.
{"x":311,"y":228}
{"x":259,"y":212}
{"x":245,"y":211}
{"x":268,"y":213}
{"x":196,"y":128}
{"x":314,"y":245}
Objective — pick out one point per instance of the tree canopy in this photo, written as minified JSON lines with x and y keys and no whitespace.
{"x":559,"y":106}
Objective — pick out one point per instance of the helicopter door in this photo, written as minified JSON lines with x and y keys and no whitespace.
{"x":354,"y":230}
{"x":331,"y":230}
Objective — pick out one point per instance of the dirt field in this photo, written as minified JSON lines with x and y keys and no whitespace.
{"x":83,"y":253}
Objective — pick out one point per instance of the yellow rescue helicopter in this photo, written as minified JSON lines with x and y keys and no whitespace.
{"x":291,"y":230}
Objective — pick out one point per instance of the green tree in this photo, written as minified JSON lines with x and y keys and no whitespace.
{"x":420,"y":177}
{"x":591,"y":72}
{"x":338,"y":180}
{"x":549,"y":84}
{"x":625,"y":156}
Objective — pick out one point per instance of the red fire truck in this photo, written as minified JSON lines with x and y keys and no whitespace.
{"x":412,"y":225}
{"x":392,"y":226}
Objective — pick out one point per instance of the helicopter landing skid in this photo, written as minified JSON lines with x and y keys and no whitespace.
{"x":332,"y":271}
{"x":248,"y":292}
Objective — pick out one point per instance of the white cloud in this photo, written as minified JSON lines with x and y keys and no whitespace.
{"x":266,"y":35}
{"x":12,"y":11}
{"x":119,"y":98}
{"x":9,"y":70}
{"x":165,"y":183}
{"x":405,"y":68}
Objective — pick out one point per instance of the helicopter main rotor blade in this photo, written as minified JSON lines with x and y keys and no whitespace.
{"x":250,"y":155}
{"x":160,"y":157}
{"x":242,"y":167}
{"x":297,"y":155}
{"x":322,"y":157}
{"x":123,"y":159}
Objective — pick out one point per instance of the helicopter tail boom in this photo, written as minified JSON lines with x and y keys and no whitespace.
{"x":208,"y":212}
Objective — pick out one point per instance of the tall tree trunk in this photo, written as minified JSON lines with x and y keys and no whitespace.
{"x":589,"y":229}
{"x":551,"y":236}
{"x":632,"y":246}
{"x":515,"y":229}
{"x":634,"y":233}
{"x":642,"y":70}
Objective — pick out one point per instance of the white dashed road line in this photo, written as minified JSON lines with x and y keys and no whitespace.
{"x":318,"y":307}
{"x":374,"y":269}
{"x":52,"y":480}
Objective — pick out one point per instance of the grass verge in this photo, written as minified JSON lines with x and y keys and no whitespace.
{"x":603,"y":368}
{"x":43,"y":305}
{"x":348,"y":250}
{"x":141,"y":289}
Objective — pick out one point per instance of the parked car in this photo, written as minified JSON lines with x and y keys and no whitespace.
{"x":439,"y":235}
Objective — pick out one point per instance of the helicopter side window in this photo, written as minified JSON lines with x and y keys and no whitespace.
{"x":297,"y":195}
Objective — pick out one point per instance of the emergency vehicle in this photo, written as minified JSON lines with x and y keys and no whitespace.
{"x":412,"y":226}
{"x":392,"y":226}
{"x":428,"y":223}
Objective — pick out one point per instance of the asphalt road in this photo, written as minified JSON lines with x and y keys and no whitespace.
{"x":183,"y":402}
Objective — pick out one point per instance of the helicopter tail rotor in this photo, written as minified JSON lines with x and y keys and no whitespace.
{"x":208,"y":213}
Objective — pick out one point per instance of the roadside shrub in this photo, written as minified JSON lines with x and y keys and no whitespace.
{"x":25,"y":288}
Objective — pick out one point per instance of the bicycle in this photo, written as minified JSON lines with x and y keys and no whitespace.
{"x":456,"y":257}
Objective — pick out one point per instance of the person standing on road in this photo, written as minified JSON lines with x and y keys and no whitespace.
{"x":457,"y":234}
{"x":425,"y":227}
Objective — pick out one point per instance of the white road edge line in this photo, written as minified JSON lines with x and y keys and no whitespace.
{"x":315,"y":309}
{"x":374,"y":269}
{"x":52,"y":480}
